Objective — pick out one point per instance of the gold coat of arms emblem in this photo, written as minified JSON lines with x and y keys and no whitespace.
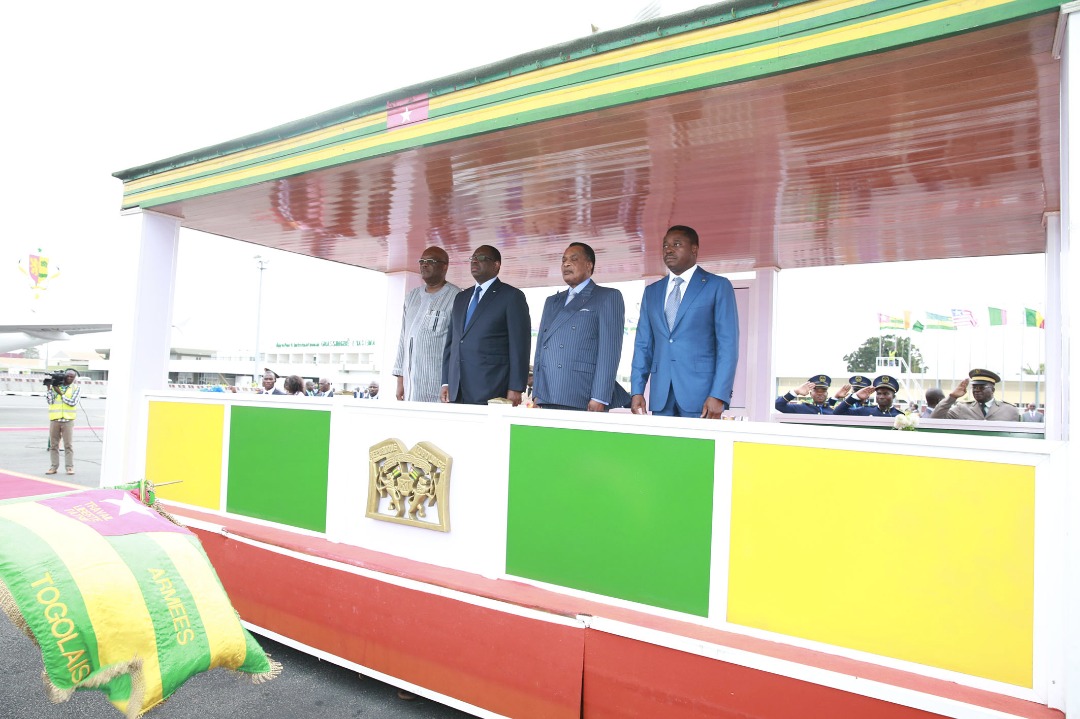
{"x":409,"y":486}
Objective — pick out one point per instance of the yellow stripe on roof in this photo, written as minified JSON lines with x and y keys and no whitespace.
{"x":921,"y":15}
{"x":327,"y":133}
{"x":798,"y":13}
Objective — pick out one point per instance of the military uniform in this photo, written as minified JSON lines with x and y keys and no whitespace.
{"x":995,"y":409}
{"x":850,"y":405}
{"x":789,"y":403}
{"x":857,"y":383}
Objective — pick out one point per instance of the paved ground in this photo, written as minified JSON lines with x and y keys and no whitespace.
{"x":308,"y":688}
{"x":24,"y":438}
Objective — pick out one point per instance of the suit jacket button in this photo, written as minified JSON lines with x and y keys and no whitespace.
{"x":573,"y":327}
{"x":562,"y":346}
{"x":560,"y":366}
{"x":670,"y":341}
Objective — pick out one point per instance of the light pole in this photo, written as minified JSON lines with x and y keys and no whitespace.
{"x":262,"y":263}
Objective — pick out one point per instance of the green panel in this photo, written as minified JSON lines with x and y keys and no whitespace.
{"x":278,"y":465}
{"x":623,"y":515}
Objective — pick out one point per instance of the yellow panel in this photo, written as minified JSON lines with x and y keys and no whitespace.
{"x":184,"y":442}
{"x":922,"y":559}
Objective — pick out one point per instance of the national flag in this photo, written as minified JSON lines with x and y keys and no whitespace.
{"x":118,"y":598}
{"x":1032,"y":318}
{"x":918,"y":326}
{"x":939,"y":322}
{"x":887,"y":322}
{"x":963,"y":318}
{"x":39,"y":269}
{"x":997,"y":316}
{"x":407,"y":111}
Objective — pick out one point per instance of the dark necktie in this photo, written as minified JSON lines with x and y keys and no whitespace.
{"x":472,"y":305}
{"x":983,"y":408}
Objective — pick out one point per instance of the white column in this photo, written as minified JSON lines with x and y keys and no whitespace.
{"x":141,"y":339}
{"x":759,"y":347}
{"x":398,"y":285}
{"x":1056,"y":386}
{"x":1068,"y":268}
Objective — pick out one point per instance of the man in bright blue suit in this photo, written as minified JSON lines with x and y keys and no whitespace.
{"x":580,"y":340}
{"x":487,"y":344}
{"x":687,"y":337}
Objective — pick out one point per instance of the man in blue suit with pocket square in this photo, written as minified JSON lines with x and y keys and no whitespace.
{"x":687,"y":337}
{"x":487,"y":344}
{"x":580,"y":340}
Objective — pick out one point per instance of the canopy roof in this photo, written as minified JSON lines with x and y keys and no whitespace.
{"x":822,"y":133}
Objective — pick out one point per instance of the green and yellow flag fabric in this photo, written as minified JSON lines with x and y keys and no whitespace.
{"x":888,"y":322}
{"x":118,"y":598}
{"x":939,"y":322}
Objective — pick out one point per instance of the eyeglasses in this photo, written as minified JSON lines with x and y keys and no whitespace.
{"x":481,"y":258}
{"x":427,"y":261}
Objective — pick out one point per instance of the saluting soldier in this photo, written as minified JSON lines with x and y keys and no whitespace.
{"x":983,"y":383}
{"x":854,"y":384}
{"x":817,"y":387}
{"x":884,"y":387}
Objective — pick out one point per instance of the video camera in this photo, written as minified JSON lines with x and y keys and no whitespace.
{"x":55,"y":379}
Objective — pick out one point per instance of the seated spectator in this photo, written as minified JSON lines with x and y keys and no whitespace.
{"x":324,"y":388}
{"x":373,"y":390}
{"x":817,"y":387}
{"x":1032,"y":414}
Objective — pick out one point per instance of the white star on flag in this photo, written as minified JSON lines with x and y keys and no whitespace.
{"x":128,"y":504}
{"x":405,"y":116}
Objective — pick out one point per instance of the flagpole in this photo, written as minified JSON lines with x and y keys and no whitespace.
{"x":937,"y":360}
{"x":1023,"y":340}
{"x":1003,"y":344}
{"x":1038,"y":369}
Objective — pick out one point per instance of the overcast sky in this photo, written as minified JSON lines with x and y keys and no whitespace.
{"x":93,"y":88}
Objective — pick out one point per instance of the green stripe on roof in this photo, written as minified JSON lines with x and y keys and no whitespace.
{"x":674,"y":56}
{"x":794,"y":29}
{"x":645,"y":31}
{"x":832,"y":53}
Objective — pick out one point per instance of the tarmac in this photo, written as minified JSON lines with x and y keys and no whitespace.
{"x":307,"y":689}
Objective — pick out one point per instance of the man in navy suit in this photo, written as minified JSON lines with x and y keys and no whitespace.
{"x":687,"y":337}
{"x":487,"y":344}
{"x":580,"y":339}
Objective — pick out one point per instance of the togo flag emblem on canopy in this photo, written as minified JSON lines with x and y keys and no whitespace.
{"x":118,"y":598}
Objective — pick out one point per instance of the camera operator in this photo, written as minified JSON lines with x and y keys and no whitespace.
{"x":62,"y":396}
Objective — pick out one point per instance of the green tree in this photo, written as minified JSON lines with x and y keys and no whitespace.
{"x":31,"y":353}
{"x":1040,"y":371}
{"x":864,"y":359}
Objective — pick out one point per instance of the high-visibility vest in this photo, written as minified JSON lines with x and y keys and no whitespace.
{"x":58,"y":409}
